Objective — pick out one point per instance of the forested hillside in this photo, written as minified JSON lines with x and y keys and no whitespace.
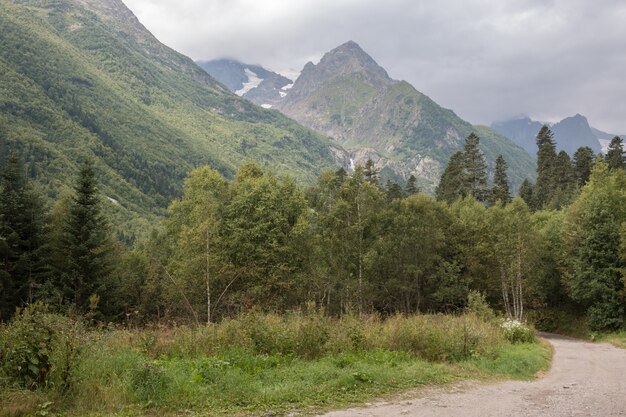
{"x":84,"y":79}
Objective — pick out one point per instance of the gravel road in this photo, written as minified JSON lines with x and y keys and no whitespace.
{"x":586,"y":379}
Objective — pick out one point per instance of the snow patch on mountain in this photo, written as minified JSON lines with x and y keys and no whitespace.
{"x":253,"y":82}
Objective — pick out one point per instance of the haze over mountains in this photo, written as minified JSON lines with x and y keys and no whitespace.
{"x":349,"y":97}
{"x":569,"y":134}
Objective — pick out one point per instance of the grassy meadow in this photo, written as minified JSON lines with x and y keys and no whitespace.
{"x":256,"y":364}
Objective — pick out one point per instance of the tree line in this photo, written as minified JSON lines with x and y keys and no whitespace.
{"x":349,"y":244}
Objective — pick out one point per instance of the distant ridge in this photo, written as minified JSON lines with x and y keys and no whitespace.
{"x":351,"y":98}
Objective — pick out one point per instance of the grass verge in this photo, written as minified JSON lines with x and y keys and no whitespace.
{"x":617,"y":339}
{"x":265,"y":365}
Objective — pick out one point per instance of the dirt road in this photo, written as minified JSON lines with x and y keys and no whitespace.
{"x":586,"y":379}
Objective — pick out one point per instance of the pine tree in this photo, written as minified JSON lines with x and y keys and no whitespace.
{"x":411,"y":186}
{"x":500,"y":190}
{"x":393,"y":191}
{"x":87,"y":244}
{"x":546,"y":161}
{"x":452,"y":186}
{"x":583,"y":164}
{"x":370,"y":172}
{"x":21,"y":232}
{"x":565,"y":182}
{"x":474,"y":169}
{"x":526,"y":193}
{"x":615,"y":155}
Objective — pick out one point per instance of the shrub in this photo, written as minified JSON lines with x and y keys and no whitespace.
{"x":477,"y":304}
{"x":38,"y":348}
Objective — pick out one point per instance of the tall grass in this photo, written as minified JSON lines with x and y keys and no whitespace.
{"x":261,"y":363}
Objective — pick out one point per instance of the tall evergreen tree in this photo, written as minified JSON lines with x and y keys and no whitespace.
{"x":583,"y":164}
{"x":21,"y":233}
{"x":87,"y":269}
{"x":411,"y":186}
{"x":500,"y":190}
{"x":615,"y":156}
{"x":451,"y":186}
{"x":393,"y":191}
{"x":474,"y":169}
{"x":546,"y":161}
{"x":370,"y":172}
{"x":526,"y":192}
{"x":565,"y":182}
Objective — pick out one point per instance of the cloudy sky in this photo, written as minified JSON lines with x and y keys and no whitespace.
{"x":487,"y":60}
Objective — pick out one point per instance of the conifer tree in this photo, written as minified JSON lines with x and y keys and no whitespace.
{"x":452,"y":186}
{"x":21,"y":235}
{"x":87,"y":245}
{"x":370,"y":172}
{"x":546,"y":161}
{"x":393,"y":191}
{"x":583,"y":164}
{"x":411,"y":186}
{"x":526,"y":193}
{"x":500,"y":190}
{"x":615,"y":156}
{"x":474,"y":169}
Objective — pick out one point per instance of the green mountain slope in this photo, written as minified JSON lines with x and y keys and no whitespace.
{"x":351,"y":98}
{"x":83,"y":78}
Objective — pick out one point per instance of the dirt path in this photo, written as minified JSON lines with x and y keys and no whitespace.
{"x":586,"y":379}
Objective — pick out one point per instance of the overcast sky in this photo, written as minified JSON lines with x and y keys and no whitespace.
{"x":487,"y":60}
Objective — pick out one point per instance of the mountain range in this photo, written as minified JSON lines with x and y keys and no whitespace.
{"x":352,"y":99}
{"x":257,"y":84}
{"x":84,"y":79}
{"x":570,"y":134}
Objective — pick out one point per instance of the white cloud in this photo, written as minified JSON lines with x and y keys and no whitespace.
{"x":486,"y":60}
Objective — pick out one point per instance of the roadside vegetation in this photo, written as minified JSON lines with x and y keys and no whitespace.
{"x":253,"y":364}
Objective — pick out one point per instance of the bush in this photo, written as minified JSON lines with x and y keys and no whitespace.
{"x":477,"y":304}
{"x":39,"y":349}
{"x":517,"y":332}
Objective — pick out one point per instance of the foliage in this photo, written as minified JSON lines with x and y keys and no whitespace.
{"x":615,"y":157}
{"x":22,"y":267}
{"x":594,"y":265}
{"x":500,"y":190}
{"x":38,"y":349}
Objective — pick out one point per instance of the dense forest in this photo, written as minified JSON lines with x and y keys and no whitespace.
{"x":348,"y":244}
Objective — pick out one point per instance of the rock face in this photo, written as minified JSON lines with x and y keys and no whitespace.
{"x":573,"y":132}
{"x":257,"y":84}
{"x":349,"y":97}
{"x":522,"y":131}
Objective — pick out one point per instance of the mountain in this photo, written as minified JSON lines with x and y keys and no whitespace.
{"x":574,"y":132}
{"x":569,"y":134}
{"x":349,"y":97}
{"x":84,"y":79}
{"x":253,"y":82}
{"x":522,"y":131}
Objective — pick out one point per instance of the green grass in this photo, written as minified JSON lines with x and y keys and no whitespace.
{"x":617,"y":339}
{"x":259,"y":364}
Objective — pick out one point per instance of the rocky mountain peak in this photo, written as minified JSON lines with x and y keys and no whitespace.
{"x":349,"y":59}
